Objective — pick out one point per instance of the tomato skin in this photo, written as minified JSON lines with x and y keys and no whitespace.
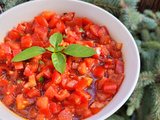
{"x":42,"y":102}
{"x":89,"y":62}
{"x":74,"y":98}
{"x":65,"y":115}
{"x":18,"y":65}
{"x":99,"y":71}
{"x":103,"y":96}
{"x":94,"y":29}
{"x":15,"y":52}
{"x":119,"y":66}
{"x":45,"y":111}
{"x":105,"y":39}
{"x":14,"y":35}
{"x":103,"y":31}
{"x":3,"y":82}
{"x":20,"y":101}
{"x":42,"y":32}
{"x":54,"y":20}
{"x":31,"y":82}
{"x":68,"y":16}
{"x":81,"y":108}
{"x":41,"y":21}
{"x":54,"y":108}
{"x":40,"y":117}
{"x":109,"y":87}
{"x":33,"y":93}
{"x":101,"y":82}
{"x":70,"y":86}
{"x":8,"y":100}
{"x":47,"y":15}
{"x":62,"y":94}
{"x":26,"y":41}
{"x":78,"y":21}
{"x":86,"y":21}
{"x":9,"y":88}
{"x":50,"y":92}
{"x":56,"y":77}
{"x":81,"y":84}
{"x":82,"y":68}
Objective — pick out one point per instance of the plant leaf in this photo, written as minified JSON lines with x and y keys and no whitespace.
{"x":60,"y":48}
{"x":56,"y":39}
{"x":50,"y":49}
{"x":59,"y":62}
{"x":79,"y":51}
{"x":28,"y":53}
{"x":41,"y":79}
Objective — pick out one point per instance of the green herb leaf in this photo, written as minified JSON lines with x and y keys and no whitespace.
{"x":64,"y":13}
{"x":60,"y":48}
{"x":28,"y":53}
{"x":79,"y":51}
{"x":59,"y":62}
{"x":41,"y":62}
{"x":56,"y":39}
{"x":21,"y":34}
{"x":82,"y":30}
{"x":65,"y":36}
{"x":50,"y":49}
{"x":41,"y":79}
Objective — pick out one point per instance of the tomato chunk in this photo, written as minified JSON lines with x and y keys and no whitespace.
{"x":65,"y":115}
{"x":98,"y":71}
{"x":41,"y":21}
{"x":42,"y":102}
{"x":109,"y":87}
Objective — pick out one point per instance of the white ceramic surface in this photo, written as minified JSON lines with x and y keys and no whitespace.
{"x":118,"y":32}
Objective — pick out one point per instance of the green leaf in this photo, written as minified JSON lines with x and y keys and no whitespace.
{"x":28,"y":53}
{"x":41,"y":79}
{"x":59,"y":62}
{"x":79,"y":51}
{"x":60,"y":48}
{"x":82,"y":30}
{"x":41,"y":62}
{"x":55,"y":39}
{"x":50,"y":49}
{"x":65,"y":36}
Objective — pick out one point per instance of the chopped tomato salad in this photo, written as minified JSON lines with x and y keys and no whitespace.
{"x":35,"y":90}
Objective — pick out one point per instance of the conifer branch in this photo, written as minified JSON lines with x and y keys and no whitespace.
{"x":151,"y":44}
{"x":115,"y":117}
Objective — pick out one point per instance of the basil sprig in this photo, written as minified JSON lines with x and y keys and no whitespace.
{"x":57,"y":52}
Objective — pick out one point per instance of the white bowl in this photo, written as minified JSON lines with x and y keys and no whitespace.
{"x":118,"y":32}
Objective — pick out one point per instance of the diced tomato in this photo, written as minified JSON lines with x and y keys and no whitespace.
{"x":89,"y":43}
{"x":62,"y":94}
{"x":115,"y":54}
{"x":98,"y":50}
{"x":87,"y":114}
{"x":89,"y":80}
{"x":119,"y":66}
{"x":47,"y":15}
{"x":18,"y":65}
{"x":33,"y":113}
{"x":26,"y":41}
{"x":42,"y":32}
{"x":82,"y":68}
{"x":81,"y":85}
{"x":0,"y":70}
{"x":60,"y":26}
{"x":55,"y":30}
{"x":3,"y":82}
{"x":31,"y":82}
{"x":14,"y":45}
{"x":9,"y":88}
{"x":101,"y":82}
{"x":97,"y":104}
{"x":83,"y":95}
{"x":94,"y":29}
{"x":27,"y":71}
{"x":21,"y":101}
{"x":117,"y":78}
{"x":65,"y":115}
{"x":78,"y":21}
{"x":81,"y":108}
{"x":68,"y":16}
{"x":86,"y":21}
{"x":8,"y":100}
{"x":70,"y":86}
{"x":99,"y":71}
{"x":56,"y":77}
{"x":45,"y":111}
{"x":54,"y":20}
{"x":47,"y":73}
{"x":42,"y":102}
{"x":33,"y":93}
{"x":74,"y":98}
{"x":89,"y":62}
{"x":15,"y":52}
{"x":103,"y":96}
{"x":14,"y":35}
{"x":54,"y":108}
{"x":119,"y":46}
{"x":50,"y":92}
{"x":41,"y":21}
{"x":40,"y":117}
{"x":105,"y":39}
{"x":103,"y":31}
{"x":109,"y":87}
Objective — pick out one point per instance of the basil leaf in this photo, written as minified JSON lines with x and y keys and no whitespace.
{"x":41,"y":79}
{"x":60,"y":48}
{"x":82,"y":30}
{"x":28,"y":53}
{"x":41,"y":62}
{"x":55,"y":39}
{"x":65,"y":36}
{"x":59,"y":62}
{"x":50,"y":49}
{"x":79,"y":51}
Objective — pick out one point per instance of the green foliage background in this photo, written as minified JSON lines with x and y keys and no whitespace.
{"x":144,"y":103}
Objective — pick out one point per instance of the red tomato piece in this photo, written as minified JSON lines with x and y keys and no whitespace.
{"x":55,"y":30}
{"x":54,"y":20}
{"x":105,"y":39}
{"x":60,"y":26}
{"x":95,"y":110}
{"x":33,"y":93}
{"x":15,"y":52}
{"x":3,"y":82}
{"x":50,"y":92}
{"x":47,"y":73}
{"x":103,"y":31}
{"x":54,"y":108}
{"x":86,"y":21}
{"x":109,"y":87}
{"x":89,"y":62}
{"x":26,"y":41}
{"x":9,"y":88}
{"x":33,"y":113}
{"x":8,"y":100}
{"x":87,"y":114}
{"x":82,"y":68}
{"x":42,"y":102}
{"x":14,"y":35}
{"x":45,"y":111}
{"x":68,"y":17}
{"x":119,"y":66}
{"x":65,"y":115}
{"x":81,"y":85}
{"x":70,"y":86}
{"x":99,"y":71}
{"x":62,"y":94}
{"x":42,"y":32}
{"x":103,"y":96}
{"x":81,"y":108}
{"x":47,"y":15}
{"x":115,"y":54}
{"x":18,"y":65}
{"x":99,"y":51}
{"x":94,"y":29}
{"x":101,"y":82}
{"x":74,"y":98}
{"x":41,"y":21}
{"x":56,"y":77}
{"x":21,"y":101}
{"x":83,"y":95}
{"x":40,"y":117}
{"x":31,"y":82}
{"x":78,"y":21}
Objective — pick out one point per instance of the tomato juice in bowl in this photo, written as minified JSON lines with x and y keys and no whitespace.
{"x":27,"y":11}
